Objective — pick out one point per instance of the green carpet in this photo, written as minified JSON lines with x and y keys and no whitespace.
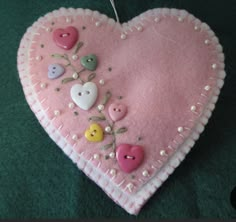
{"x":38,"y":181}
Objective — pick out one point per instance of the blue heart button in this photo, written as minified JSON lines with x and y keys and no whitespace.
{"x":55,"y":71}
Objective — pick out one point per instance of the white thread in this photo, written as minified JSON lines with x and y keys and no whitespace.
{"x":42,"y":101}
{"x":59,"y":128}
{"x":121,"y":183}
{"x":114,"y":8}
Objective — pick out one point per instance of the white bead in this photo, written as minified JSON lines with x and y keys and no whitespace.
{"x":207,"y":42}
{"x":157,"y":19}
{"x":98,"y":24}
{"x":207,"y":88}
{"x":113,"y":172}
{"x":180,"y":19}
{"x":49,"y":29}
{"x":84,"y":95}
{"x":145,"y":173}
{"x":180,"y":129}
{"x":71,"y":105}
{"x":57,"y":112}
{"x":123,"y":36}
{"x":68,"y":20}
{"x":140,"y":28}
{"x":74,"y":137}
{"x":196,"y":28}
{"x":43,"y":85}
{"x":75,"y":57}
{"x":108,"y":129}
{"x":101,"y":82}
{"x":96,"y":156}
{"x":39,"y":58}
{"x":193,"y":108}
{"x":130,"y":186}
{"x":112,"y":155}
{"x":100,"y":107}
{"x":163,"y":153}
{"x":214,"y":66}
{"x":75,"y":75}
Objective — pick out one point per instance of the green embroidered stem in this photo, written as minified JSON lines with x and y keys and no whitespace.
{"x":59,"y":56}
{"x":69,"y":79}
{"x":91,"y":76}
{"x":121,"y":130}
{"x":66,"y":80}
{"x":107,"y":146}
{"x":79,"y":45}
{"x":106,"y":98}
{"x":97,"y":118}
{"x":102,"y":117}
{"x":65,"y":57}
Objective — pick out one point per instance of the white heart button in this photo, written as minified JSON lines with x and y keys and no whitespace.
{"x":85,"y":95}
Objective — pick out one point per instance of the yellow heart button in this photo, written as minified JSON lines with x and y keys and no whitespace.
{"x":94,"y":133}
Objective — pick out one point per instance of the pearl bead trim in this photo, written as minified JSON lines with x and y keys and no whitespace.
{"x":207,"y":114}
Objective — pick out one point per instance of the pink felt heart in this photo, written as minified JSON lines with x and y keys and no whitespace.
{"x":165,"y":65}
{"x":65,"y":38}
{"x":129,"y":157}
{"x":117,"y":111}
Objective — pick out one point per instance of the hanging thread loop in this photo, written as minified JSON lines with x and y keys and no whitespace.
{"x":114,"y":8}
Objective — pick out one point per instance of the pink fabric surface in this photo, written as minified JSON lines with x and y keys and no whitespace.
{"x":160,"y":72}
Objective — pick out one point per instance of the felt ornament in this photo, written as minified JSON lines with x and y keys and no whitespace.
{"x":133,"y":97}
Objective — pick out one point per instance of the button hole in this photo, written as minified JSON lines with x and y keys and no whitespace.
{"x":65,"y":35}
{"x":129,"y":157}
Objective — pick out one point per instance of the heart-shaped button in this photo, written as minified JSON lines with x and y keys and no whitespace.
{"x":66,"y":38}
{"x":129,"y":157}
{"x":165,"y":66}
{"x":85,"y":95}
{"x":117,"y":111}
{"x":89,"y":62}
{"x":55,"y":71}
{"x":94,"y":133}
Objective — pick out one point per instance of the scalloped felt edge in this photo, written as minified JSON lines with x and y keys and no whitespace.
{"x":131,"y":203}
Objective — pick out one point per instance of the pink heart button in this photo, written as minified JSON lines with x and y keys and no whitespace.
{"x":129,"y":157}
{"x":65,"y":38}
{"x":117,"y":111}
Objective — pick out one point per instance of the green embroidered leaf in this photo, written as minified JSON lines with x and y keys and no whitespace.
{"x":91,"y":76}
{"x":66,"y":80}
{"x":107,"y":146}
{"x":97,"y":118}
{"x":121,"y":130}
{"x":79,"y":45}
{"x":58,"y":56}
{"x":65,"y":56}
{"x":106,"y":97}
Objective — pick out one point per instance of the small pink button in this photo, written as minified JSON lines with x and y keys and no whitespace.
{"x":66,"y":38}
{"x":117,"y":111}
{"x":129,"y":157}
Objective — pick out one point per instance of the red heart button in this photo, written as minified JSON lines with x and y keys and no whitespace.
{"x":66,"y":38}
{"x":129,"y":157}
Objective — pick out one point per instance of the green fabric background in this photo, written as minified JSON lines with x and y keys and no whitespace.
{"x":38,"y":181}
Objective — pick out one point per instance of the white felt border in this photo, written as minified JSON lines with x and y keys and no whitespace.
{"x":131,"y":203}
